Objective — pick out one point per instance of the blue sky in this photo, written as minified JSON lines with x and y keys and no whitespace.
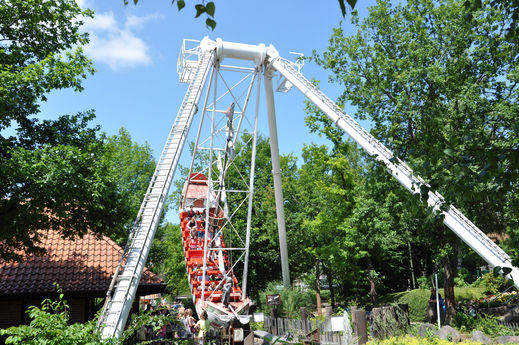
{"x":135,"y":51}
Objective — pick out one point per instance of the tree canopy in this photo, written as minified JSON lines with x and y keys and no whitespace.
{"x":441,"y":93}
{"x":55,"y":174}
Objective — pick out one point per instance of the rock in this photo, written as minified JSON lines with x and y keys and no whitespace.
{"x":424,"y":327}
{"x":480,"y":337}
{"x":449,"y":333}
{"x":507,"y":339}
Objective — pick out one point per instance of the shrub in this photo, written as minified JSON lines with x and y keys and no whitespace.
{"x":415,"y":299}
{"x":390,"y":322}
{"x":292,"y":300}
{"x":485,"y":323}
{"x":423,"y":283}
{"x":494,"y":284}
{"x":408,"y":340}
{"x":49,"y":326}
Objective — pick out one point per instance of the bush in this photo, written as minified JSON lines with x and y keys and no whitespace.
{"x":390,"y":323}
{"x":408,"y":340}
{"x":423,"y":283}
{"x":415,"y":299}
{"x":292,"y":300}
{"x":494,"y":284}
{"x":49,"y":326}
{"x":485,"y":323}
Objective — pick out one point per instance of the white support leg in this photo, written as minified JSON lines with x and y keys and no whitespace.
{"x":276,"y":171}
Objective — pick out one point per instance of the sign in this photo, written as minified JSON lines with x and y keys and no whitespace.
{"x":274,"y":299}
{"x":258,"y":317}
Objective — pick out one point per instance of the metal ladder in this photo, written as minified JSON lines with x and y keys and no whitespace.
{"x":453,"y":218}
{"x":126,"y":279}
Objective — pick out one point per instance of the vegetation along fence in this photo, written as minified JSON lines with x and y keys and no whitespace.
{"x":304,"y":331}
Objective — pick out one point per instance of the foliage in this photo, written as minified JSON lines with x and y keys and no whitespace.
{"x":131,"y":166}
{"x":494,"y":284}
{"x":292,"y":300}
{"x":442,"y":95}
{"x":417,"y":299}
{"x":388,"y":324}
{"x":409,"y":340}
{"x":52,"y":174}
{"x":423,"y":282}
{"x":153,"y":321}
{"x":487,"y":324}
{"x":49,"y":325}
{"x":463,"y":278}
{"x":169,"y":258}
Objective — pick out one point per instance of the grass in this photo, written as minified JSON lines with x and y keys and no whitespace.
{"x":417,"y":299}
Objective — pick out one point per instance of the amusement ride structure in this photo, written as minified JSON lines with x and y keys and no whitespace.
{"x":216,"y":196}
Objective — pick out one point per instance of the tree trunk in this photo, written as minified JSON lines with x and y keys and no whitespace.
{"x":449,"y":265}
{"x":371,"y":279}
{"x":318,"y":288}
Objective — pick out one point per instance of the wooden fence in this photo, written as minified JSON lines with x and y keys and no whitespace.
{"x":511,"y":325}
{"x":304,"y":331}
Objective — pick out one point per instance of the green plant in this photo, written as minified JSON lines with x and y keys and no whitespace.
{"x":423,"y":283}
{"x":409,"y":340}
{"x":255,"y":326}
{"x":291,"y":300}
{"x":485,"y":323}
{"x":49,"y":326}
{"x":391,"y":321}
{"x":493,"y":284}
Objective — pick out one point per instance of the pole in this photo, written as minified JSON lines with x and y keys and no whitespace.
{"x":276,"y":171}
{"x":251,"y":187}
{"x":437,"y":300}
{"x":411,"y":261}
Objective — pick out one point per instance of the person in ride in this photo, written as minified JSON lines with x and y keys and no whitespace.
{"x":200,"y":233}
{"x":227,"y":288}
{"x":191,"y":226}
{"x":191,"y":212}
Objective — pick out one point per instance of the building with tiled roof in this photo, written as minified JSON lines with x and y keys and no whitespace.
{"x":83,"y":268}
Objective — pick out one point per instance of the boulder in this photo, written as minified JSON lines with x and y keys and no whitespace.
{"x":507,"y":339}
{"x":424,"y":327}
{"x":449,"y":333}
{"x":480,"y":337}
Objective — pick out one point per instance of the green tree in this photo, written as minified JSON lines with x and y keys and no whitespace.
{"x":131,"y":167}
{"x":167,"y":256}
{"x":442,"y":94}
{"x":52,"y":172}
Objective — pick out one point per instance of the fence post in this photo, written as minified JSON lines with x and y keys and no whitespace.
{"x":304,"y":317}
{"x":403,"y":312}
{"x":358,"y":317}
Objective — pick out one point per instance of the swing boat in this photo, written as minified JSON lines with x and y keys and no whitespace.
{"x":208,"y":263}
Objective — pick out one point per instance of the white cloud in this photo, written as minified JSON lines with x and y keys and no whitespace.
{"x":101,"y":22}
{"x":82,"y":3}
{"x":117,"y":45}
{"x":137,"y":22}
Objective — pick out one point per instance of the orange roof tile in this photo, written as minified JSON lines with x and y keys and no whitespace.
{"x":84,"y":264}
